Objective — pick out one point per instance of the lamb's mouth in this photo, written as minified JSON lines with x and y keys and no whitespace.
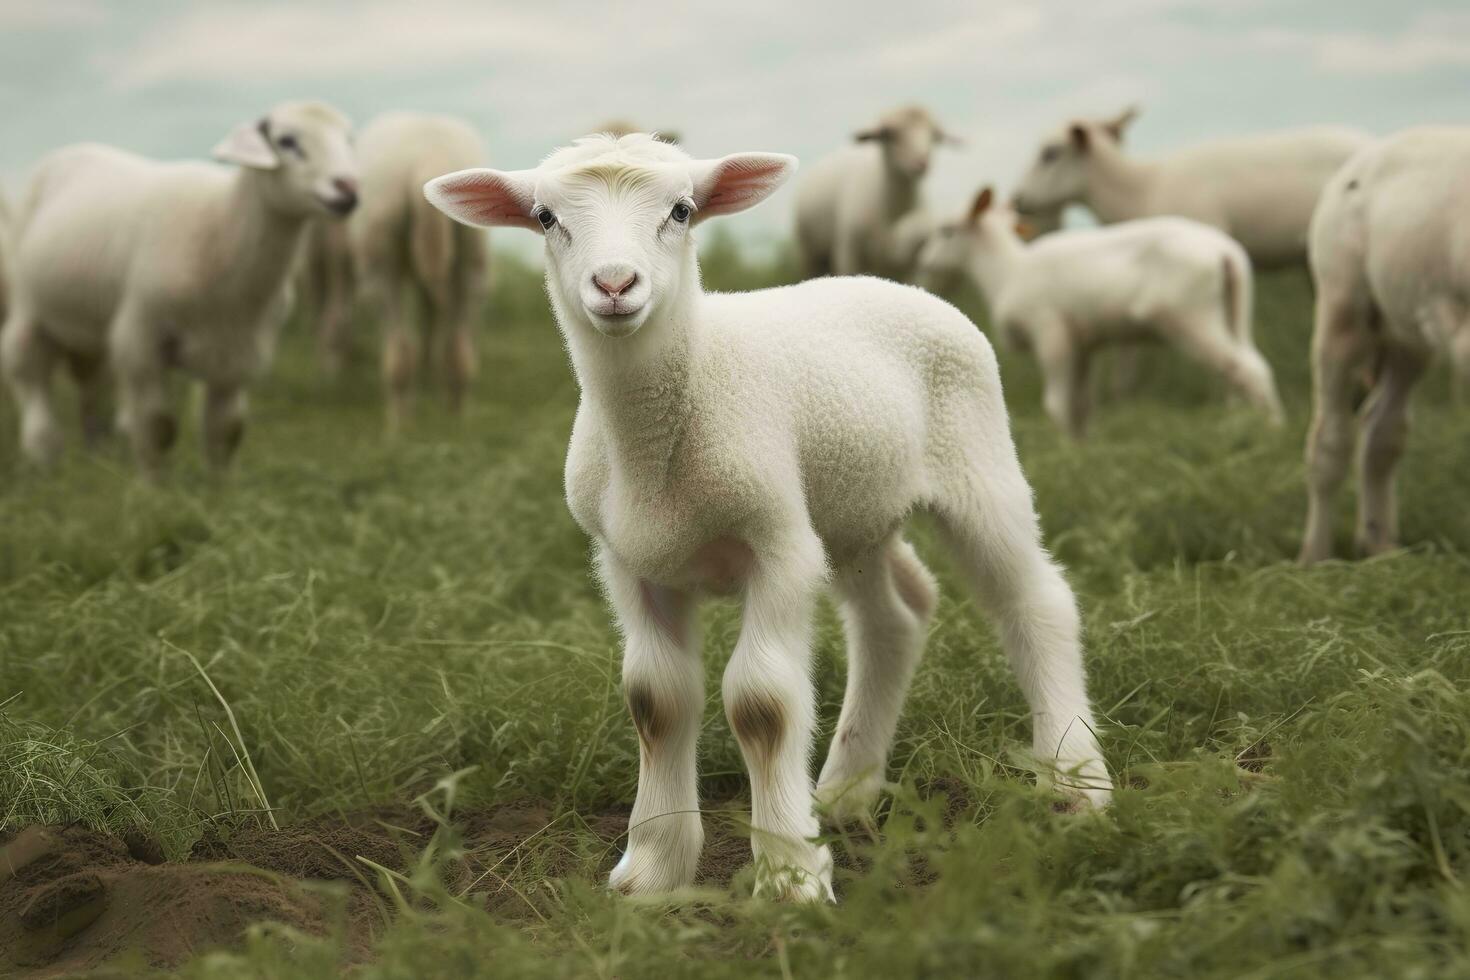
{"x":618,"y":323}
{"x":340,"y":206}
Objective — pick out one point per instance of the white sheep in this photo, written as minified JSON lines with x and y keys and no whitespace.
{"x":155,"y":267}
{"x":1259,"y":189}
{"x":1068,"y":294}
{"x":400,"y":243}
{"x":1390,"y":256}
{"x":771,"y":443}
{"x":849,"y":203}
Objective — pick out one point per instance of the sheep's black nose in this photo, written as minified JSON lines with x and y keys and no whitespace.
{"x":346,"y":200}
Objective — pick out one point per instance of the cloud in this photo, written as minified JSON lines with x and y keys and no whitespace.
{"x":1430,"y":41}
{"x":241,"y":42}
{"x":21,"y":15}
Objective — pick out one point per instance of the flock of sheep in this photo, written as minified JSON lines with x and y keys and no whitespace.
{"x":768,"y":443}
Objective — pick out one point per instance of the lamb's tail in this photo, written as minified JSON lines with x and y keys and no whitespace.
{"x":1238,"y":294}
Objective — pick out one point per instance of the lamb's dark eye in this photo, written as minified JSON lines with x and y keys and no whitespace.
{"x":1050,"y":154}
{"x":547,"y":219}
{"x":680,"y":212}
{"x":290,"y":144}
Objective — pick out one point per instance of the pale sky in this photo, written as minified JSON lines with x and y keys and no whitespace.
{"x":169,"y":78}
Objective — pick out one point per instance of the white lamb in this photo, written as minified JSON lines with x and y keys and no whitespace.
{"x":771,"y":443}
{"x":1068,"y":294}
{"x":154,"y":267}
{"x":850,"y":203}
{"x":1391,"y":260}
{"x":1259,"y":189}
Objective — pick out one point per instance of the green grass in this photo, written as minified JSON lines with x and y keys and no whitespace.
{"x":1293,"y":746}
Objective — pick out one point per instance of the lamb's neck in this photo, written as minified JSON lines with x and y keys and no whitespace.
{"x":253,"y":245}
{"x":1119,"y":186}
{"x":639,"y":387}
{"x":995,"y":265}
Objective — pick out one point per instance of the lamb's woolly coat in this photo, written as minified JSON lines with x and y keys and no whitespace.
{"x":1391,"y":261}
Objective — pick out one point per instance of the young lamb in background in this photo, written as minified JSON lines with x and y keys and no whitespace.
{"x":155,"y":267}
{"x":1390,"y":255}
{"x":772,"y":443}
{"x":1068,"y":294}
{"x":1259,"y":189}
{"x":849,"y":203}
{"x":399,"y":242}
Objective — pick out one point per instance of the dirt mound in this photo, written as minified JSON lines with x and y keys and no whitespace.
{"x":73,"y":899}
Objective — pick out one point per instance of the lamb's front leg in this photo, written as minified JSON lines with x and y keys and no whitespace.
{"x":664,"y":686}
{"x":770,"y":705}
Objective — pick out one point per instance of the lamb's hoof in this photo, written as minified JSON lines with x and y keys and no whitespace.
{"x":790,"y":883}
{"x":843,"y":801}
{"x":1090,"y":789}
{"x":640,"y":876}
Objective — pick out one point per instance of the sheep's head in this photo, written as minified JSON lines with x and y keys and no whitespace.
{"x":1059,"y":175}
{"x":305,"y":148}
{"x":907,"y":138}
{"x":616,"y":214}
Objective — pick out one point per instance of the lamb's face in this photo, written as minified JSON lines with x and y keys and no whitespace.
{"x":616,"y":214}
{"x":305,"y":148}
{"x":617,"y":240}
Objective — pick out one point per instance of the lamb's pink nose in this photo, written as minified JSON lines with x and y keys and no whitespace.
{"x":615,"y":282}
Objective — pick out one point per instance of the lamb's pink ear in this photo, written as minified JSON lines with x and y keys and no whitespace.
{"x":248,"y":145}
{"x":738,"y":181}
{"x":486,"y":198}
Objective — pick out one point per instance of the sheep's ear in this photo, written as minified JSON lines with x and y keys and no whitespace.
{"x":1079,"y":136}
{"x":872,"y":134}
{"x":1118,"y":125}
{"x":738,"y":181}
{"x":249,"y":145}
{"x":486,"y":198}
{"x":981,"y":205}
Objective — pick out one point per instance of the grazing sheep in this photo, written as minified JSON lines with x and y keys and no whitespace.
{"x":1068,"y":294}
{"x":151,"y":267}
{"x":771,"y":443}
{"x":1390,"y":255}
{"x":850,"y":203}
{"x":1258,"y":189}
{"x":400,"y":243}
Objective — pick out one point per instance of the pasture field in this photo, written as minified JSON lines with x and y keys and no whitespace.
{"x":422,"y":691}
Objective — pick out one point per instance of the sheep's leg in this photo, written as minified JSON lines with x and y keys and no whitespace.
{"x":991,"y":525}
{"x":88,"y":371}
{"x":1341,"y":346}
{"x":29,"y":358}
{"x":769,"y":703}
{"x":224,"y":423}
{"x":1127,"y":358}
{"x":887,"y":599}
{"x":664,"y":686}
{"x":1385,"y":422}
{"x":1240,"y":364}
{"x":468,"y":286}
{"x":1064,"y":366}
{"x":399,"y":354}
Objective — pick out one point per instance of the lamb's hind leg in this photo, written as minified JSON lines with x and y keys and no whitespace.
{"x":664,"y":687}
{"x":1241,"y":365}
{"x":29,"y":358}
{"x":887,"y":599}
{"x":989,"y":522}
{"x":1385,"y":422}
